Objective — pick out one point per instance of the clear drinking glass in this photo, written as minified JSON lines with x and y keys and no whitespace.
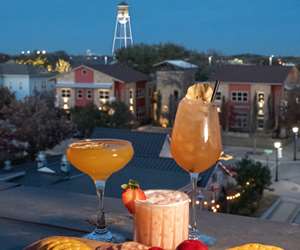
{"x":99,"y":159}
{"x":196,"y":146}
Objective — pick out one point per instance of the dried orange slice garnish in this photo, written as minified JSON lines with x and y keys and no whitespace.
{"x":255,"y":246}
{"x":62,"y":243}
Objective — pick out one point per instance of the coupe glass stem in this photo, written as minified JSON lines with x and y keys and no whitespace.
{"x":194,"y":180}
{"x":100,"y":186}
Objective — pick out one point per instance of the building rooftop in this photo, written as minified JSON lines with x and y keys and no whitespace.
{"x":120,"y":71}
{"x":177,"y":63}
{"x":22,"y":69}
{"x":145,"y":144}
{"x":250,"y":73}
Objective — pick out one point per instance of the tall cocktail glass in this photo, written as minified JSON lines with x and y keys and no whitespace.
{"x":99,"y":159}
{"x":196,"y":146}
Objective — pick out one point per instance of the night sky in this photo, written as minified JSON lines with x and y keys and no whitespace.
{"x":229,"y":26}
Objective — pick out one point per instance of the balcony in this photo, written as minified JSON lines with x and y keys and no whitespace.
{"x":30,"y":213}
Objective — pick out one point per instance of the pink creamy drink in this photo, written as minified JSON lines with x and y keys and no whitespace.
{"x":163,"y":219}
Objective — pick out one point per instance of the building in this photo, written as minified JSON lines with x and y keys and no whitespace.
{"x":250,"y":96}
{"x":100,"y":84}
{"x":172,"y":80}
{"x":24,"y":80}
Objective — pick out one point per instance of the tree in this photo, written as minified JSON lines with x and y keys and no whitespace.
{"x":4,"y":58}
{"x":142,"y":57}
{"x":87,"y":118}
{"x":38,"y":123}
{"x":158,"y":106}
{"x":6,"y":98}
{"x":292,"y":116}
{"x":252,"y":178}
{"x":9,"y":146}
{"x":62,"y":66}
{"x":119,"y":115}
{"x":271,"y":120}
{"x":224,"y":114}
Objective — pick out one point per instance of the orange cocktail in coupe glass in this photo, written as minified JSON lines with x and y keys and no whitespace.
{"x":196,"y":146}
{"x":99,"y":159}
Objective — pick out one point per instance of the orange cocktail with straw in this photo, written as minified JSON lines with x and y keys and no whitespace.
{"x":196,"y":141}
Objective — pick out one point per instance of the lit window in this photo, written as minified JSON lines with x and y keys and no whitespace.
{"x":130,"y":93}
{"x":104,"y":94}
{"x":65,"y":93}
{"x":131,"y":96}
{"x":165,"y":108}
{"x":239,"y":96}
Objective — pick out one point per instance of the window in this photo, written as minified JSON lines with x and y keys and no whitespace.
{"x":240,"y":121}
{"x":20,"y":85}
{"x":83,"y":72}
{"x":260,"y":123}
{"x":79,"y":94}
{"x":65,"y":93}
{"x":44,"y":85}
{"x":140,"y":93}
{"x":89,"y":94}
{"x":239,"y":96}
{"x":104,"y":94}
{"x":131,"y":94}
{"x":218,"y":96}
{"x":140,"y":113}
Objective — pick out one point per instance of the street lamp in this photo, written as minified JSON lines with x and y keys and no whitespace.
{"x":271,"y":60}
{"x":295,"y":131}
{"x":277,"y":146}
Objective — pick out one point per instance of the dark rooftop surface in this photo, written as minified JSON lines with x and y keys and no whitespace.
{"x":146,"y":166}
{"x":150,"y":172}
{"x":145,"y":144}
{"x":250,"y":73}
{"x":120,"y":71}
{"x":22,"y":69}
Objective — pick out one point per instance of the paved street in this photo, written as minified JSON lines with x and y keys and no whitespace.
{"x":287,"y":208}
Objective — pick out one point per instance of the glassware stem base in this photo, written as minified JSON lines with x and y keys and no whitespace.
{"x":105,"y":236}
{"x":194,"y":234}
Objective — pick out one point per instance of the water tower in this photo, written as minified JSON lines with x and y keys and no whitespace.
{"x":123,"y":34}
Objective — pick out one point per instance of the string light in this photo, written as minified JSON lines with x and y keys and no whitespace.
{"x":233,"y":197}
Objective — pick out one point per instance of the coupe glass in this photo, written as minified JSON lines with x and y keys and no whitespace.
{"x":99,"y":159}
{"x":196,"y":146}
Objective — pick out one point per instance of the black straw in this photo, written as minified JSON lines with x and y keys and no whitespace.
{"x":212,"y":99}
